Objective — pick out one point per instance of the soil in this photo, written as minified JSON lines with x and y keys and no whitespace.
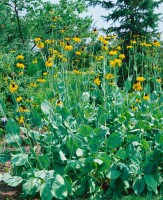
{"x":8,"y":192}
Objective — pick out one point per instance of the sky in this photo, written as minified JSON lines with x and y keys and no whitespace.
{"x":99,"y":22}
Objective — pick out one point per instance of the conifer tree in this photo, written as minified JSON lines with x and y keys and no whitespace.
{"x":135,"y":17}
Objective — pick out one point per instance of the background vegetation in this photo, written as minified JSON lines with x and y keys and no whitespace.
{"x":81,"y":113}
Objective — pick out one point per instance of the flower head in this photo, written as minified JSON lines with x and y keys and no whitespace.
{"x":13,"y":87}
{"x":146,"y":97}
{"x":19,"y":99}
{"x":140,"y":78}
{"x":97,"y":81}
{"x":20,"y":57}
{"x":137,"y":86}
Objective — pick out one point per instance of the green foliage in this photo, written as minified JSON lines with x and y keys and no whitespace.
{"x":70,"y":132}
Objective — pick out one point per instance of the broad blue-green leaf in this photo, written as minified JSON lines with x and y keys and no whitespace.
{"x":46,"y":107}
{"x":13,"y":140}
{"x":46,"y":190}
{"x":85,"y":130}
{"x":138,"y":185}
{"x":12,"y":180}
{"x":19,"y":159}
{"x":151,"y":182}
{"x":59,"y":188}
{"x":0,"y":177}
{"x":32,"y":186}
{"x":114,"y":140}
{"x":113,"y":174}
{"x":4,"y":158}
{"x":12,"y":127}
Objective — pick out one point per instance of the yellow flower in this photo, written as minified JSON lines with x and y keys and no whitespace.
{"x":105,"y":48}
{"x":101,"y":38}
{"x":67,"y":38}
{"x":134,"y":108}
{"x":158,"y":80}
{"x":76,"y":71}
{"x":133,"y":41}
{"x":111,"y":83}
{"x":20,"y":57}
{"x":105,"y":42}
{"x":114,"y":36}
{"x":115,"y":62}
{"x":112,"y":63}
{"x":20,"y":65}
{"x":97,"y":81}
{"x":40,"y":45}
{"x":55,"y":52}
{"x":122,"y":56}
{"x":138,"y":100}
{"x":49,"y":63}
{"x":41,"y":80}
{"x":37,"y":39}
{"x":113,"y":53}
{"x":20,"y":119}
{"x":34,"y":61}
{"x":119,"y":48}
{"x":48,"y":41}
{"x":45,"y":73}
{"x":108,"y":37}
{"x":140,"y":79}
{"x":156,"y":43}
{"x":146,"y":97}
{"x":78,"y":53}
{"x":109,"y":76}
{"x":59,"y":103}
{"x":94,"y":31}
{"x":68,"y":47}
{"x":12,"y":51}
{"x":77,"y":39}
{"x":33,"y":85}
{"x":129,"y":47}
{"x":137,"y":86}
{"x":22,"y":109}
{"x":18,"y":99}
{"x":21,"y":73}
{"x":13,"y":88}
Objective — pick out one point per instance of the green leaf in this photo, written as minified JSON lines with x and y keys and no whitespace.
{"x":151,"y":182}
{"x":59,"y":188}
{"x":13,"y":140}
{"x":44,"y":161}
{"x":12,"y":127}
{"x":12,"y":180}
{"x":121,"y":154}
{"x":85,"y":130}
{"x":114,"y":140}
{"x":138,"y":185}
{"x":46,"y":107}
{"x":19,"y":159}
{"x":68,"y":183}
{"x":31,"y":187}
{"x":113,"y":174}
{"x":57,"y":119}
{"x":145,"y":144}
{"x":128,"y":83}
{"x":45,"y":191}
{"x":4,"y":158}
